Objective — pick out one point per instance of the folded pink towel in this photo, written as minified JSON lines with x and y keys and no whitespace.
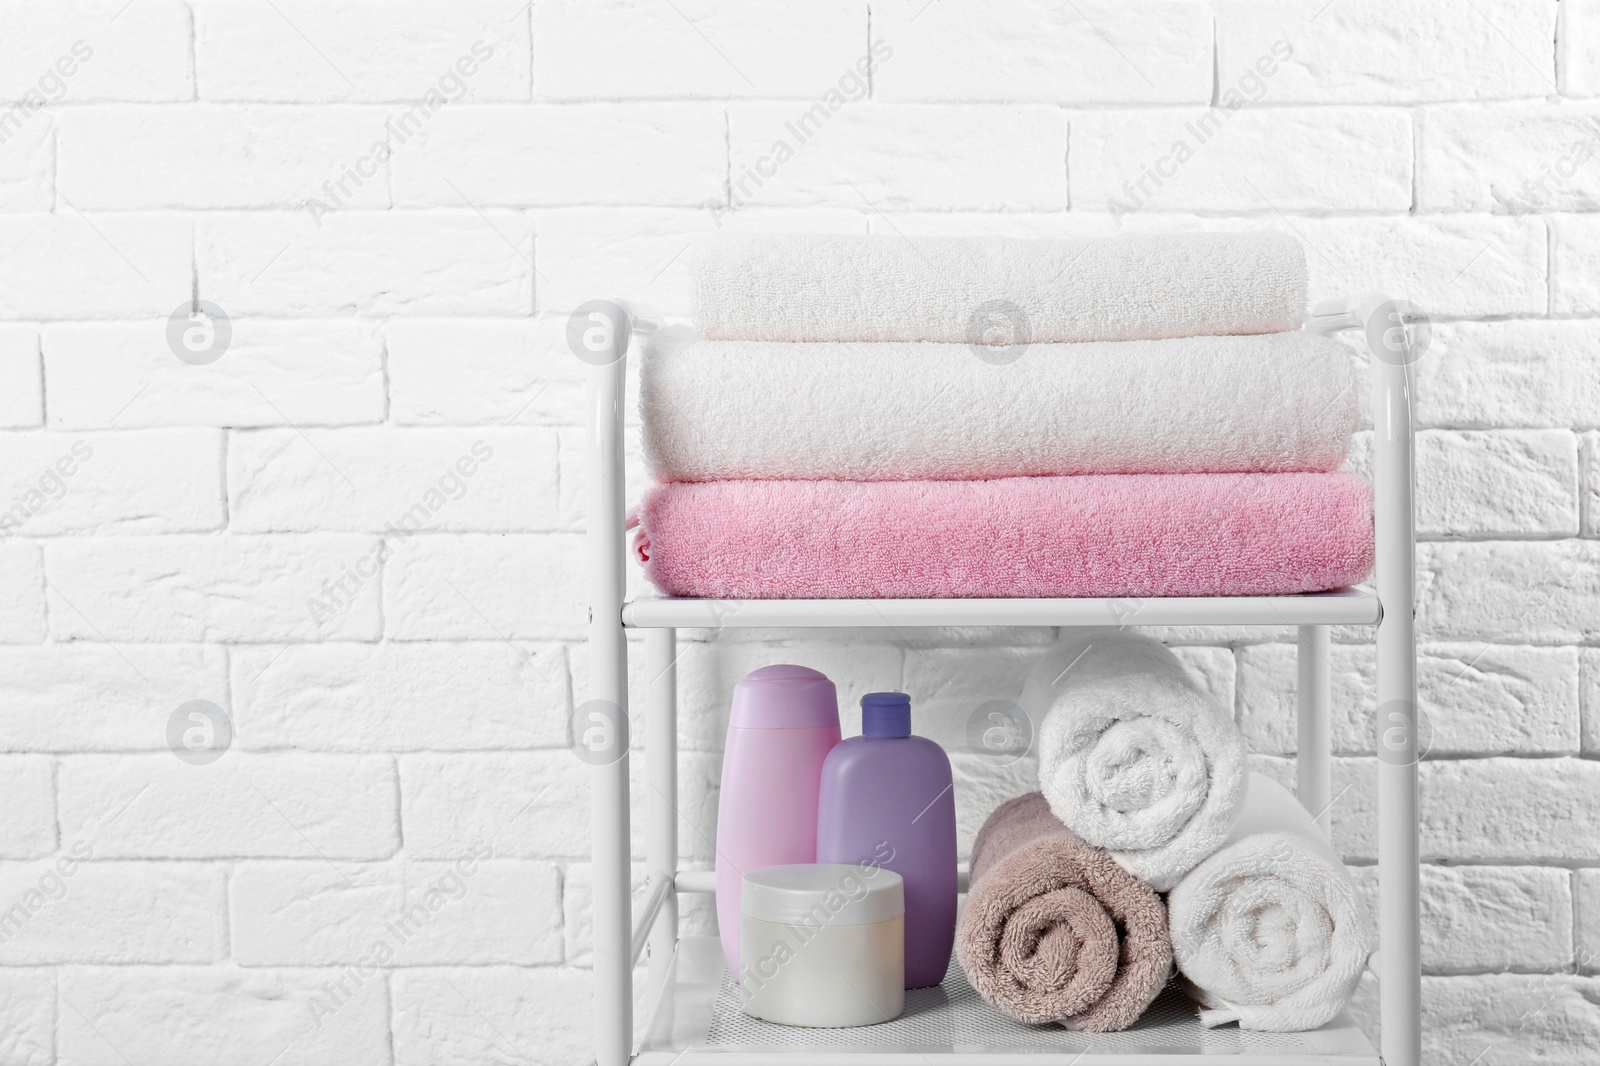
{"x":1099,"y":535}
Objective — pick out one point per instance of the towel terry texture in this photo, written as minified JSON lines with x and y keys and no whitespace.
{"x":1133,"y":755}
{"x":1054,"y":930}
{"x":1104,"y":535}
{"x":1269,"y":929}
{"x":727,"y":409}
{"x":816,"y":287}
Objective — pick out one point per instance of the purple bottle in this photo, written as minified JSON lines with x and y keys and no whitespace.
{"x":887,"y":799}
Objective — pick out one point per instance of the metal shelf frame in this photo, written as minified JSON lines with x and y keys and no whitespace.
{"x":623,"y":933}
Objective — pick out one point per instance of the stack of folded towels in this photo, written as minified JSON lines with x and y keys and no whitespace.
{"x":866,"y":416}
{"x":1148,"y":844}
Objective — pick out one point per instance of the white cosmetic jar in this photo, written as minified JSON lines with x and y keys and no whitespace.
{"x":822,"y":944}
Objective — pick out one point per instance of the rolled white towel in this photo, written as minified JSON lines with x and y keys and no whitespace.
{"x":1133,"y":755}
{"x":1269,"y":929}
{"x":716,"y":410}
{"x":826,"y":287}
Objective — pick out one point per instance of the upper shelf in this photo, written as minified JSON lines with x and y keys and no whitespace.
{"x":1342,"y":607}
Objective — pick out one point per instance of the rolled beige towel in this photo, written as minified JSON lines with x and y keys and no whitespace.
{"x":1055,"y":930}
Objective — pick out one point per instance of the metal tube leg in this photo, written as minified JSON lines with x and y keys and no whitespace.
{"x":661,"y":769}
{"x":1313,"y":719}
{"x":603,"y":719}
{"x":1399,"y":947}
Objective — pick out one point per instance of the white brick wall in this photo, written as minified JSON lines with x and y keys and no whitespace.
{"x":396,"y":717}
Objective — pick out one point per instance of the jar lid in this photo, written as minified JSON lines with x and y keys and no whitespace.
{"x":823,"y":893}
{"x":784,"y":696}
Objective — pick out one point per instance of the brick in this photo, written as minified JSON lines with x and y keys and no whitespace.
{"x":1589,"y":488}
{"x":371,"y":263}
{"x":1578,"y":45}
{"x":30,"y":826}
{"x":1515,"y":482}
{"x":320,"y":52}
{"x":1504,"y":1019}
{"x":323,"y":807}
{"x":1574,"y":264}
{"x":644,"y":153}
{"x":1524,"y":810}
{"x":765,"y":49}
{"x":106,"y":266}
{"x":400,"y":697}
{"x":114,"y":912}
{"x":485,"y":587}
{"x":1519,"y":373}
{"x":142,"y":54}
{"x":304,"y":373}
{"x":895,"y":157}
{"x":645,"y":252}
{"x":1589,"y":687}
{"x":1412,"y":51}
{"x":1521,"y":158}
{"x":413,"y":913}
{"x":492,"y":1014}
{"x":1586,"y":927}
{"x":132,"y":157}
{"x":1348,"y":159}
{"x":158,"y":481}
{"x":1146,"y":52}
{"x":89,"y":696}
{"x":221,"y":1014}
{"x":1536,"y":592}
{"x":22,"y":609}
{"x":482,"y":371}
{"x":536,"y":804}
{"x":199,"y":588}
{"x":1488,"y":917}
{"x":27,"y":162}
{"x":1478,"y":698}
{"x":1448,"y":265}
{"x":27,"y":1018}
{"x":396,"y":482}
{"x":21,"y":393}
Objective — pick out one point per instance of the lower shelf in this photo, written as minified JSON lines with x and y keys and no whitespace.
{"x":698,"y":1021}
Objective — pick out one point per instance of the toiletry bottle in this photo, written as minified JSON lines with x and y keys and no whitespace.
{"x":784,"y":721}
{"x":887,"y":799}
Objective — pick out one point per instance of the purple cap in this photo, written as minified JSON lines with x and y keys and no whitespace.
{"x":784,"y":697}
{"x":886,"y":714}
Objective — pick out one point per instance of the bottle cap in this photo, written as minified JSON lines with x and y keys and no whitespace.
{"x":823,"y":893}
{"x":784,"y":696}
{"x":886,"y":714}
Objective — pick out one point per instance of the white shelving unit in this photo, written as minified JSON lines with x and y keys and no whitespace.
{"x":692,"y":1011}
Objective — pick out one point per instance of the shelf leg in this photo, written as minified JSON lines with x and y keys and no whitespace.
{"x":1313,"y":718}
{"x":661,"y":771}
{"x":1399,"y":941}
{"x":602,"y":728}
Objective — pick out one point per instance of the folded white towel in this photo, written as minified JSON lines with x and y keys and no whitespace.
{"x":1133,"y":755}
{"x":1269,"y":929}
{"x":864,"y":412}
{"x":819,"y":287}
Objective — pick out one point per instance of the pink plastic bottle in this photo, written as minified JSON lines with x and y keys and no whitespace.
{"x":785,"y":720}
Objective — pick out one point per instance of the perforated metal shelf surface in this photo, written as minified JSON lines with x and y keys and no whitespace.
{"x":699,"y":1021}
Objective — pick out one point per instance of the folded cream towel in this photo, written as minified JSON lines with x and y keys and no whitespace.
{"x":1054,"y":930}
{"x":1269,"y":929}
{"x":816,"y":287}
{"x":1133,"y":755}
{"x":716,"y":410}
